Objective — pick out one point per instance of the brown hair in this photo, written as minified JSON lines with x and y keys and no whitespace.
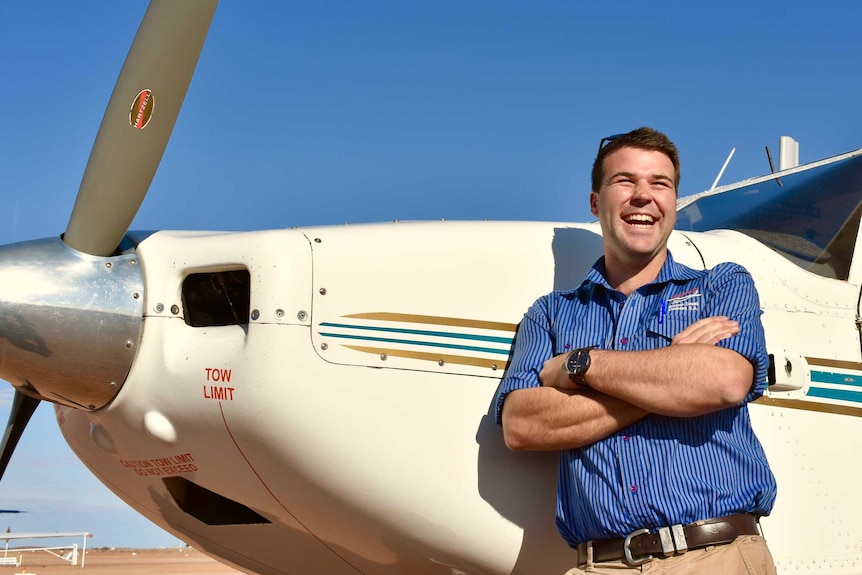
{"x":644,"y":138}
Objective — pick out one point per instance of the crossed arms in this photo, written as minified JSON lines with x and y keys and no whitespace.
{"x":692,"y":376}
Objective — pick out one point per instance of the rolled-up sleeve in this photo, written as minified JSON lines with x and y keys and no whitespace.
{"x":732,"y":293}
{"x":533,"y":346}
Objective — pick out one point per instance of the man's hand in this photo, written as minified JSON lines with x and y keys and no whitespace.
{"x":709,"y":330}
{"x":553,"y":374}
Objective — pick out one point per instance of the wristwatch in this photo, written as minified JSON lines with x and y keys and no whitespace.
{"x":576,"y":365}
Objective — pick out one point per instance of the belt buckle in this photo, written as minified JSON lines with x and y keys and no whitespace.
{"x":628,"y":552}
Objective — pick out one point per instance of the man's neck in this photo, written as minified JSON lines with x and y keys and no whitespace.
{"x":626,"y":277}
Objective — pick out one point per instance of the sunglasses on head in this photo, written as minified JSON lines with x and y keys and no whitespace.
{"x":607,"y":140}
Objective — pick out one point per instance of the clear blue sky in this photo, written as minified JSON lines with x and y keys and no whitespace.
{"x":320,"y":113}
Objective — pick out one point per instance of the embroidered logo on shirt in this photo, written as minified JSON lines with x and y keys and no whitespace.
{"x":688,"y":301}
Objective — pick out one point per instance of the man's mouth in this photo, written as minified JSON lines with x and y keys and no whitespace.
{"x":639,"y":219}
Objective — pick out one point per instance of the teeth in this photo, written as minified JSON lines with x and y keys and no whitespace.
{"x":645,"y":218}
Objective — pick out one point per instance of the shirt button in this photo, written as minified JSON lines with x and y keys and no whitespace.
{"x":620,"y":305}
{"x":624,"y":340}
{"x":633,"y":488}
{"x":626,"y":437}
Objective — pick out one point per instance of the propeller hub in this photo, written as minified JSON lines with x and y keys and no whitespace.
{"x":70,"y":322}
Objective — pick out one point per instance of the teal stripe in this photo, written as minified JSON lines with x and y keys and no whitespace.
{"x":423,"y":343}
{"x":488,"y":338}
{"x":831,"y":377}
{"x":841,"y":394}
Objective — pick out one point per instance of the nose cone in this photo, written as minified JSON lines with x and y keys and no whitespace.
{"x":69,"y":322}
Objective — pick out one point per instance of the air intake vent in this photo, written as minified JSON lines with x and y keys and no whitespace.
{"x":208,"y":506}
{"x":217,"y":298}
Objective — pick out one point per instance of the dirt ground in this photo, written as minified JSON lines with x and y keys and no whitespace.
{"x":174,"y":561}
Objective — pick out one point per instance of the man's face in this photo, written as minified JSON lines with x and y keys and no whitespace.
{"x":636,"y":205}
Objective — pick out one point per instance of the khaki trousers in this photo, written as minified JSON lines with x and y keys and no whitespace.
{"x":748,"y":555}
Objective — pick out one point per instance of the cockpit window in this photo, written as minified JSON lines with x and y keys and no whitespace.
{"x":810,"y":217}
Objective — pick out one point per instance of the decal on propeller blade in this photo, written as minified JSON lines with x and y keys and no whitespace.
{"x":142,"y":109}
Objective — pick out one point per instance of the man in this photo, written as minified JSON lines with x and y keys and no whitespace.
{"x":640,"y":377}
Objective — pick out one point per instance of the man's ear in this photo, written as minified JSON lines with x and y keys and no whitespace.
{"x":594,"y":203}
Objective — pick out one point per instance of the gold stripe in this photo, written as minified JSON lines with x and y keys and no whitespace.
{"x":810,"y":406}
{"x":436,"y":320}
{"x":435,"y":357}
{"x":840,"y":364}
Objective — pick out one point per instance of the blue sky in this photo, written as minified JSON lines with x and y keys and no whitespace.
{"x":320,"y":113}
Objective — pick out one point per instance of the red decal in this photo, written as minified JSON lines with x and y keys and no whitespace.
{"x":218,"y":392}
{"x":215,"y":374}
{"x":142,"y":109}
{"x":172,"y":465}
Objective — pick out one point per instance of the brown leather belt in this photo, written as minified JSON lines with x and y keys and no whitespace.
{"x":642,"y":546}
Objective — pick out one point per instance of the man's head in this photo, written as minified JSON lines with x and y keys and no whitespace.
{"x":643,"y":138}
{"x":634,"y":198}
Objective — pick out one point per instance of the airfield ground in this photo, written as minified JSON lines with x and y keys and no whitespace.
{"x":174,"y":561}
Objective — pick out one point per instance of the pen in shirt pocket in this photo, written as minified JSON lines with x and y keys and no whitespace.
{"x":662,"y":311}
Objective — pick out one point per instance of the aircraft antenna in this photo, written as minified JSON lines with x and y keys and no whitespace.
{"x":772,"y":167}
{"x":724,"y":167}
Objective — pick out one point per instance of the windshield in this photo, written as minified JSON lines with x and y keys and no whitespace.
{"x":810,"y":217}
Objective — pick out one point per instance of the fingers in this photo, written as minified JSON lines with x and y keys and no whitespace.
{"x":709,"y":330}
{"x":553,"y":374}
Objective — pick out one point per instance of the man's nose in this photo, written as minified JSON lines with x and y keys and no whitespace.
{"x":642,"y":191}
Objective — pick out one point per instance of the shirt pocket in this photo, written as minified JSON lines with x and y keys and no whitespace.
{"x":577,"y":340}
{"x":661,"y":330}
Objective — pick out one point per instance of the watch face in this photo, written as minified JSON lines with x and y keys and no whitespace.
{"x":577,"y":363}
{"x":572,"y":362}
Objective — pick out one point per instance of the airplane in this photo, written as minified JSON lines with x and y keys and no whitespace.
{"x":319,"y":400}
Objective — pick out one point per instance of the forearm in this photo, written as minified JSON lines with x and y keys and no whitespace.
{"x":678,"y":380}
{"x":547,"y":418}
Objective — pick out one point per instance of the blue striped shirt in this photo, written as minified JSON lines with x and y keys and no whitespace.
{"x":661,"y":470}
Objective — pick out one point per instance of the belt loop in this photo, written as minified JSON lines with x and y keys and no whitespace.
{"x":679,"y":541}
{"x":589,"y":553}
{"x":667,"y":548}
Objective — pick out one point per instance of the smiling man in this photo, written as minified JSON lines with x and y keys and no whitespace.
{"x":640,"y":377}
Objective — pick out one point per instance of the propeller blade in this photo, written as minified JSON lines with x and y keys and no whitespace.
{"x":23,"y":407}
{"x":138,"y":123}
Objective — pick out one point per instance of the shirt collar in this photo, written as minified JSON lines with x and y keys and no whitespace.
{"x":670,"y":271}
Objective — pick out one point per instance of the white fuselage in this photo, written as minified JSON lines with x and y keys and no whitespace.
{"x":353,"y":411}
